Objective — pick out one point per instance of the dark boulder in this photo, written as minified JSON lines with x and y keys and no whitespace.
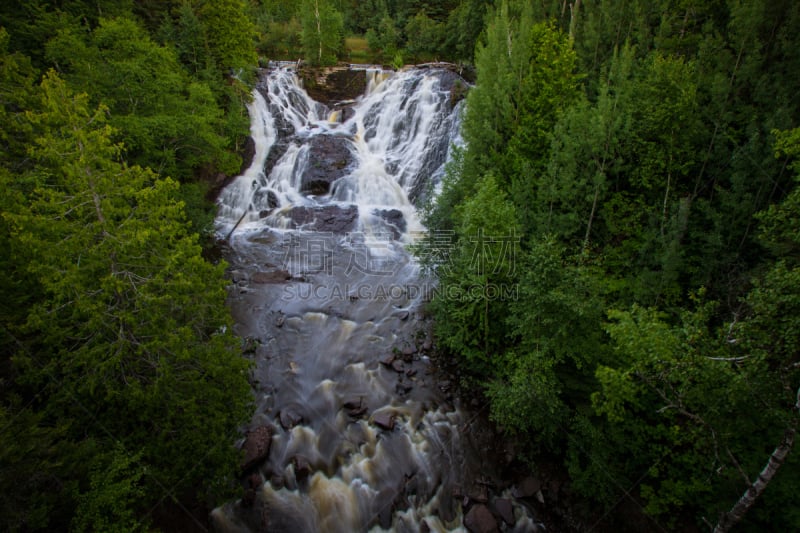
{"x":333,"y":84}
{"x":329,"y":158}
{"x":479,"y":494}
{"x":504,"y":509}
{"x":252,"y":484}
{"x":324,"y":218}
{"x":479,"y":519}
{"x":302,"y":468}
{"x":355,"y":408}
{"x":256,"y":447}
{"x":384,"y":420}
{"x":527,"y":488}
{"x":394,"y":219}
{"x":265,"y":200}
{"x":248,"y":153}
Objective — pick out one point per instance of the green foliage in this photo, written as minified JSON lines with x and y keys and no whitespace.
{"x":167,"y":122}
{"x":426,"y":36}
{"x":478,"y":275}
{"x":115,"y":490}
{"x":323,"y":32}
{"x":127,"y":338}
{"x":230,"y":35}
{"x":650,"y":177}
{"x":525,"y":80}
{"x":385,"y":38}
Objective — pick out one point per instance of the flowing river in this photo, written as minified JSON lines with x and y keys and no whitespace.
{"x":362,"y":431}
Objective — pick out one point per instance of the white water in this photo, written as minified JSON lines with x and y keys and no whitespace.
{"x":400,"y":134}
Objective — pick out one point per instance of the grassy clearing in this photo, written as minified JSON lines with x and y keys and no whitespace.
{"x":357,"y":50}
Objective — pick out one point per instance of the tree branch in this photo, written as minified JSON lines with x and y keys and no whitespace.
{"x":737,"y":512}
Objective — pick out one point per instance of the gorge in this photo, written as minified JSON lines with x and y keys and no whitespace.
{"x":358,"y":430}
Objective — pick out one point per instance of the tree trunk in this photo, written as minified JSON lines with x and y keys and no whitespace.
{"x":319,"y":30}
{"x":737,"y":512}
{"x":591,"y":217}
{"x":573,"y":19}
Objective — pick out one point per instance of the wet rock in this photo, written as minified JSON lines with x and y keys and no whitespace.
{"x":355,"y":408}
{"x":353,"y":404}
{"x":387,"y":360}
{"x":252,"y":485}
{"x":290,"y":417}
{"x":329,"y":158}
{"x":394,"y":219}
{"x":277,"y":481}
{"x":404,"y":387}
{"x":256,"y":447}
{"x":266,"y":200}
{"x":346,"y":113}
{"x":409,"y":350}
{"x":402,"y":315}
{"x":411,"y":372}
{"x":237,"y":276}
{"x":333,"y":84}
{"x":248,"y":498}
{"x":479,"y":494}
{"x":279,"y":320}
{"x":527,"y":488}
{"x":385,"y":517}
{"x":383,"y":420}
{"x":424,"y":527}
{"x":255,"y":480}
{"x":302,"y":468}
{"x":248,"y":153}
{"x":504,"y":510}
{"x":446,"y":510}
{"x":270,"y":276}
{"x":444,"y":385}
{"x":427,"y":345}
{"x":324,"y":218}
{"x":398,"y":366}
{"x":479,"y":519}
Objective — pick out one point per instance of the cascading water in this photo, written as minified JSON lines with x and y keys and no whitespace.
{"x":362,"y":433}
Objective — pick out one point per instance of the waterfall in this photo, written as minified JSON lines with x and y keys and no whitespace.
{"x":365,"y":433}
{"x":398,"y":134}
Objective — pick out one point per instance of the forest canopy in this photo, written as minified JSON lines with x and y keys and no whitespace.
{"x":122,"y":389}
{"x":630,"y":167}
{"x":644,"y":155}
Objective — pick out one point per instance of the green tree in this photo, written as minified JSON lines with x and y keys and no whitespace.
{"x":230,"y":36}
{"x":555,"y":323}
{"x":385,"y":38}
{"x":478,"y":276}
{"x":322,"y":34}
{"x":525,"y":81}
{"x":127,"y":341}
{"x":425,"y":36}
{"x":166,"y":121}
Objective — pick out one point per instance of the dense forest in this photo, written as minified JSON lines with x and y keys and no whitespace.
{"x":122,"y":388}
{"x":630,"y":180}
{"x":626,"y":200}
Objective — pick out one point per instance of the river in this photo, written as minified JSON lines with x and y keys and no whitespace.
{"x":364,"y":433}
